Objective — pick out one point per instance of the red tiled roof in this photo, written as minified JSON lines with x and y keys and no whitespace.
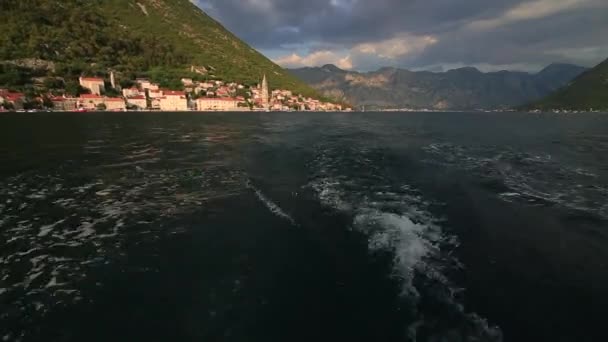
{"x":90,"y":96}
{"x":217,"y":99}
{"x":14,"y":96}
{"x":173,"y":93}
{"x":137,"y":97}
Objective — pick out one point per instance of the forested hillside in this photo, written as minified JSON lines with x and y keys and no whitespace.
{"x":156,"y":38}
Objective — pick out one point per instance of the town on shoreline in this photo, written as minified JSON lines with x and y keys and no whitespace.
{"x":97,"y":94}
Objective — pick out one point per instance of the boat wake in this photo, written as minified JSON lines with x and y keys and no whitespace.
{"x":530,"y":179}
{"x":396,"y":219}
{"x":273,"y":207}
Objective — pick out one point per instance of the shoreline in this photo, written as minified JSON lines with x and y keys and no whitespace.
{"x":311,"y":111}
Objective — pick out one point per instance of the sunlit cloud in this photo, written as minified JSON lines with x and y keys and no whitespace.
{"x":396,"y":47}
{"x":316,"y":59}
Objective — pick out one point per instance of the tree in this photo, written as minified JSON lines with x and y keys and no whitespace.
{"x":7,"y":105}
{"x":51,"y":83}
{"x":31,"y":103}
{"x":125,"y":83}
{"x":46,"y":102}
{"x":111,"y":92}
{"x":243,"y":92}
{"x":73,"y":88}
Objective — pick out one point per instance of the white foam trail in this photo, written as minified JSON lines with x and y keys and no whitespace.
{"x":396,"y":220}
{"x":410,"y":243}
{"x":273,"y":207}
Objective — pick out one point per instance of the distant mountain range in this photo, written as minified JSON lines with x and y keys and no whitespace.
{"x":465,"y":88}
{"x":587,"y":91}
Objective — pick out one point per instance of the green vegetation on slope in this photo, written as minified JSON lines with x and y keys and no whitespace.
{"x":589,"y":90}
{"x":133,"y":37}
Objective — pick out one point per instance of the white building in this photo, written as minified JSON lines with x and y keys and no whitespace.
{"x":90,"y":101}
{"x":173,"y":101}
{"x":138,"y":101}
{"x":115,"y":104}
{"x":217,"y":104}
{"x":155,"y":103}
{"x":155,"y":94}
{"x":133,"y":91}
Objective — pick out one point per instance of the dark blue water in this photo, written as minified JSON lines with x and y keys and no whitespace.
{"x":303,"y":227}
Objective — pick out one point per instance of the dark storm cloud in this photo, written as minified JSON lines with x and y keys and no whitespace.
{"x":414,"y":33}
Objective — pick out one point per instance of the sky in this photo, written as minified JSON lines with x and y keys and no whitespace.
{"x":435,"y":35}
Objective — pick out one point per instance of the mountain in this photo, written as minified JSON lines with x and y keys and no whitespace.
{"x":155,"y":38}
{"x":589,"y":90}
{"x":464,"y":88}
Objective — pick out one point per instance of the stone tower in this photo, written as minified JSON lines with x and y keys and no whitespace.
{"x":112,"y":80}
{"x":265,"y":94}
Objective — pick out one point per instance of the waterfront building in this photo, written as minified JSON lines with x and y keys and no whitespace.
{"x":15,"y":99}
{"x":173,"y":101}
{"x":90,"y":101}
{"x":64,"y":103}
{"x":133,"y":91}
{"x":138,"y":101}
{"x":155,"y":103}
{"x":217,"y":104}
{"x":114,"y":104}
{"x":155,"y":94}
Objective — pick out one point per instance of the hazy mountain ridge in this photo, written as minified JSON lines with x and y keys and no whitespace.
{"x":464,"y":88}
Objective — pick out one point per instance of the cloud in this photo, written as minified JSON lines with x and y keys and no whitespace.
{"x":315,"y":59}
{"x":524,"y":34}
{"x":530,"y":10}
{"x":390,"y":50}
{"x":396,"y":47}
{"x":581,"y":54}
